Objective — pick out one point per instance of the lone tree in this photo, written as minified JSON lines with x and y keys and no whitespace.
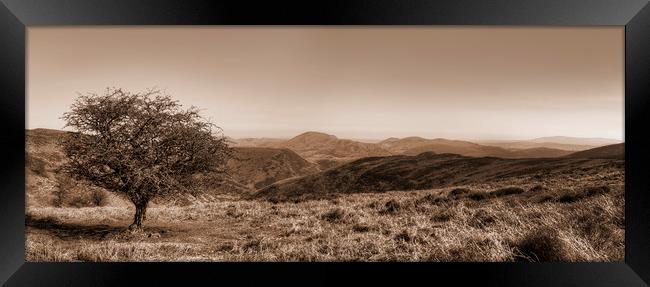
{"x":142,"y":145}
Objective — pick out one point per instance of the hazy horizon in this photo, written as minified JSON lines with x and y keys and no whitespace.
{"x":375,"y":140}
{"x":364,"y":83}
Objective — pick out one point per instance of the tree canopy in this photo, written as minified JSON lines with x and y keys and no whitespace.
{"x":142,"y":145}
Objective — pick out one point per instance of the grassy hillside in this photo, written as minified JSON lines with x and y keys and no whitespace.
{"x":324,"y":148}
{"x":417,"y":145}
{"x":428,"y":170}
{"x":576,"y":141}
{"x":259,"y":167}
{"x":564,"y":222}
{"x":534,"y":144}
{"x":615,"y":151}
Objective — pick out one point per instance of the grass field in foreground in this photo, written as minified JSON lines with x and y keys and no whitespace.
{"x":471,"y":223}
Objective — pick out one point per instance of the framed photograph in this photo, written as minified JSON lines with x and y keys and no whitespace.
{"x":178,"y":142}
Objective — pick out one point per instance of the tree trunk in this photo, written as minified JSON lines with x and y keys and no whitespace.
{"x":140,"y":210}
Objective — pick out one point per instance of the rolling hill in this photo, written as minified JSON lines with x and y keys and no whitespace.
{"x":259,"y":167}
{"x":257,"y":142}
{"x":417,"y":145}
{"x":561,"y":143}
{"x":427,"y":170}
{"x":596,"y":142}
{"x":615,"y":151}
{"x":328,"y":150}
{"x":531,"y":145}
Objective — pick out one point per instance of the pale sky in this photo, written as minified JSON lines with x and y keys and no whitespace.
{"x":368,"y":82}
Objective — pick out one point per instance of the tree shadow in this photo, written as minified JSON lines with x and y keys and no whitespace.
{"x":71,"y":230}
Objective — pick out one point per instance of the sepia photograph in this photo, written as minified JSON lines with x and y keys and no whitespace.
{"x":320,"y":144}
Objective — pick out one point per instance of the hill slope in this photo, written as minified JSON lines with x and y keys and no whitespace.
{"x":615,"y":151}
{"x":424,"y":171}
{"x":329,"y":151}
{"x":575,"y":141}
{"x":257,"y":142}
{"x":320,"y":147}
{"x":417,"y":145}
{"x":259,"y":167}
{"x":529,"y":145}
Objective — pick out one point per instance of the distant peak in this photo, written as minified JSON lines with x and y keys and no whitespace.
{"x":414,"y":138}
{"x":315,"y":135}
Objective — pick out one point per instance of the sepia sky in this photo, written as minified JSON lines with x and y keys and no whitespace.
{"x":353,"y":82}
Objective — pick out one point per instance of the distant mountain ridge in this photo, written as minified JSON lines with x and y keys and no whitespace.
{"x":559,"y":142}
{"x":576,"y":140}
{"x":329,"y":151}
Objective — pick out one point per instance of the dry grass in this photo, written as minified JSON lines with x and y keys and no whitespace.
{"x":508,"y":224}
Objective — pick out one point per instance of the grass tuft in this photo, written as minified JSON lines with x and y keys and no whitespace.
{"x":507,"y":191}
{"x":334,"y":215}
{"x":542,"y":244}
{"x":391,"y":207}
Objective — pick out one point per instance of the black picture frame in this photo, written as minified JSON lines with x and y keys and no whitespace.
{"x":17,"y":15}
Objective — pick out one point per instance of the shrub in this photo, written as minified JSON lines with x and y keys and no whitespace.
{"x":596,"y":190}
{"x":507,"y":191}
{"x":78,"y":200}
{"x":472,"y":251}
{"x":36,"y":165}
{"x":542,"y":198}
{"x":542,"y":244}
{"x":225,"y":247}
{"x":98,"y":197}
{"x":403,"y":236}
{"x":569,"y":197}
{"x":458,"y":191}
{"x":481,"y":218}
{"x":232,"y":211}
{"x":334,"y":215}
{"x":253,"y":245}
{"x":41,"y":222}
{"x":478,"y":195}
{"x":429,"y":198}
{"x":442,"y":216}
{"x":573,"y":196}
{"x":62,"y":192}
{"x":360,"y":228}
{"x":392,"y":206}
{"x":59,"y":197}
{"x":537,"y":188}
